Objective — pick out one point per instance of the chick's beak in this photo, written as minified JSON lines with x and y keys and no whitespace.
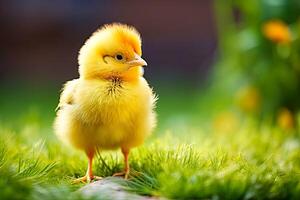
{"x":137,"y":61}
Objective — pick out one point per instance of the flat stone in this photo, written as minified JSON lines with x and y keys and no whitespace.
{"x":109,"y":188}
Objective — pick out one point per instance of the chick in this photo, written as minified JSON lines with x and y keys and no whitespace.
{"x":110,"y":105}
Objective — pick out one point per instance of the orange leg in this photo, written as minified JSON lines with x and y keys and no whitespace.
{"x":89,"y":174}
{"x":125,"y":173}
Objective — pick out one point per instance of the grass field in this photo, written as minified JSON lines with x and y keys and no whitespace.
{"x":186,"y":158}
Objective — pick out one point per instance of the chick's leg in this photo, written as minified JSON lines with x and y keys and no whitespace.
{"x":125,"y":173}
{"x":89,"y":174}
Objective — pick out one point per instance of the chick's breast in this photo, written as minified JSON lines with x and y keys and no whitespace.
{"x":108,"y":115}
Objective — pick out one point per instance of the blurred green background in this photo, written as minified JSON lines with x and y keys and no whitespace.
{"x":227,"y":74}
{"x":217,"y":60}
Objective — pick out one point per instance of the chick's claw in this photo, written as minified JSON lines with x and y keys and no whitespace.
{"x":86,"y":179}
{"x":125,"y":174}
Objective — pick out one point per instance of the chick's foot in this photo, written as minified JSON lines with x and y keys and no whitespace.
{"x":86,"y":179}
{"x":125,"y":174}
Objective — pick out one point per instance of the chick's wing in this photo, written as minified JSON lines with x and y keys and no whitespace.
{"x":67,"y":94}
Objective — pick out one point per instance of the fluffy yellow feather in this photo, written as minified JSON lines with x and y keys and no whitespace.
{"x":110,"y":105}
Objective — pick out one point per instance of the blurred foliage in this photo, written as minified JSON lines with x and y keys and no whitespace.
{"x":258,"y":68}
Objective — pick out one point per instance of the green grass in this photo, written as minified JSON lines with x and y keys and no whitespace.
{"x":184,"y":161}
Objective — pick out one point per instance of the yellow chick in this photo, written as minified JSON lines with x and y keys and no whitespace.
{"x":110,"y":105}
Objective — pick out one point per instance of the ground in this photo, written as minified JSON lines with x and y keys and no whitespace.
{"x":183,"y":159}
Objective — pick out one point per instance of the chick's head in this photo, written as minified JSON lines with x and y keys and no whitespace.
{"x":113,"y":50}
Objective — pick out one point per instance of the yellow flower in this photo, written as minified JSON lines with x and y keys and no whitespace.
{"x":285,"y":119}
{"x":277,"y":31}
{"x":225,"y":122}
{"x":249,"y":99}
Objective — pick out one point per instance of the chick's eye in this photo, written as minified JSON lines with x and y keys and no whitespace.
{"x":119,"y":57}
